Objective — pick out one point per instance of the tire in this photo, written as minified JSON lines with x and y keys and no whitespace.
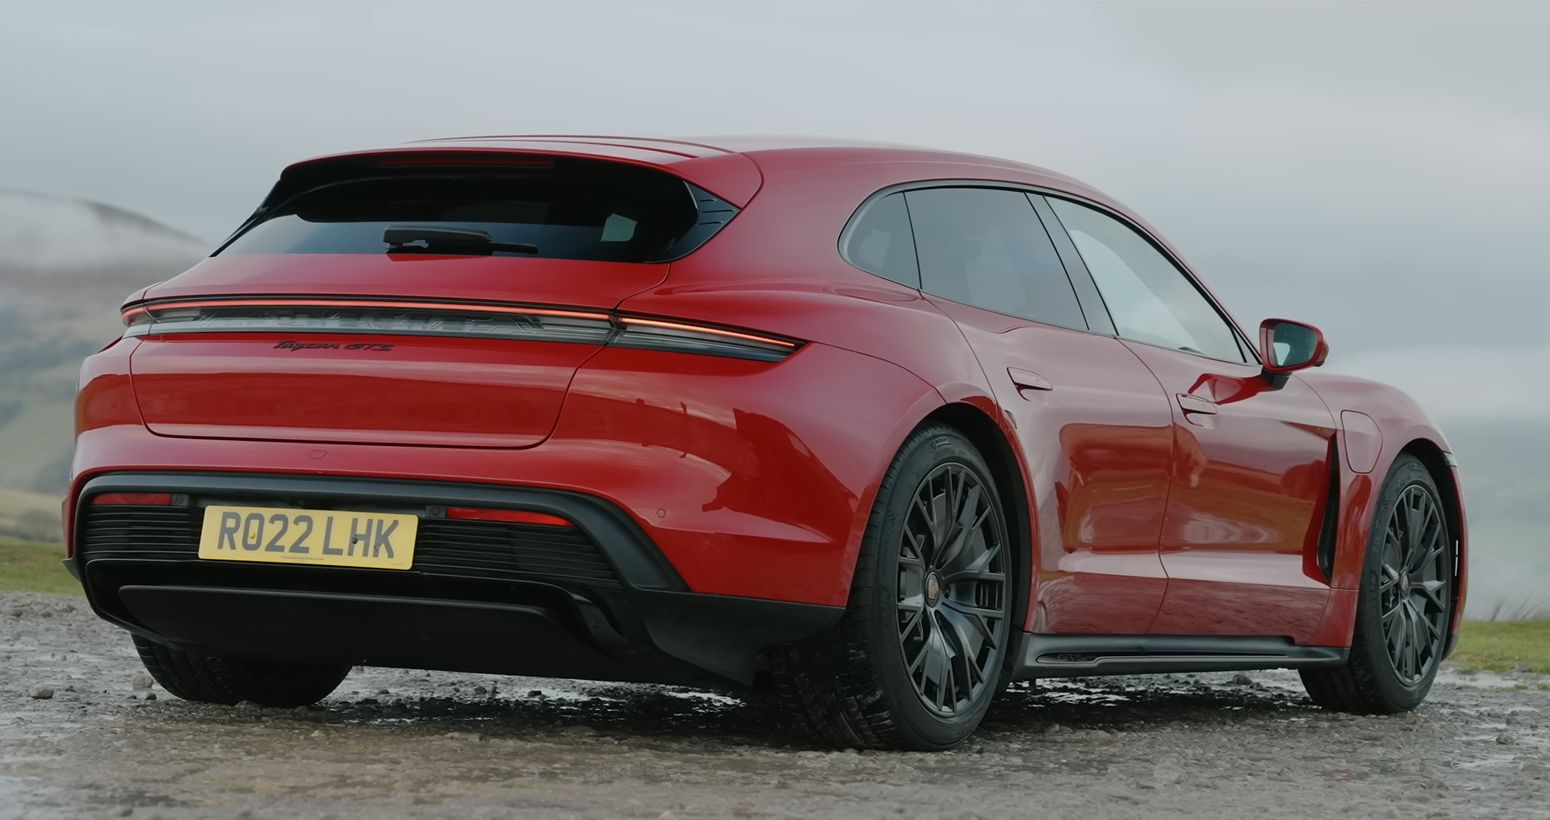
{"x":1394,"y":614}
{"x":876,"y":680}
{"x":214,"y":679}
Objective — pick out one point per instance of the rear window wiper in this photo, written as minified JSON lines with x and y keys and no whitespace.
{"x":433,"y":238}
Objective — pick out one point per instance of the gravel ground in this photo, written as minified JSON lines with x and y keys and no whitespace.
{"x":413,"y":744}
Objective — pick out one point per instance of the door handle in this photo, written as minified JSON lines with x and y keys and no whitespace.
{"x":1028,"y":380}
{"x":1195,"y":404}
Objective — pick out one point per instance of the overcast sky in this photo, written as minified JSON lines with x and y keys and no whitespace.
{"x":1380,"y":169}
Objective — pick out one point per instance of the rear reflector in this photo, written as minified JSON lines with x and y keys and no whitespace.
{"x":508,"y":516}
{"x":145,"y":499}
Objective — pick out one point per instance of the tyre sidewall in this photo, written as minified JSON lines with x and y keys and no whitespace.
{"x":1368,"y":640}
{"x":925,"y":454}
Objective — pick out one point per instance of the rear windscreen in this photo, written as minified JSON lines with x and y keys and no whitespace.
{"x":589,"y":211}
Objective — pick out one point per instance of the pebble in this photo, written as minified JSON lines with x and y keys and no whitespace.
{"x":1504,"y":739}
{"x":40,"y":693}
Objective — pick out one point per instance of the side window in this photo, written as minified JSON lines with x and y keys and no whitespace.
{"x":986,"y":247}
{"x":1150,"y":299}
{"x":880,"y":242}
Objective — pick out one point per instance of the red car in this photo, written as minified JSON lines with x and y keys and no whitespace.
{"x":879,"y":428}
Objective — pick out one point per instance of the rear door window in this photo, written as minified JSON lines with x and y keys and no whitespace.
{"x":987,"y":247}
{"x":594,"y":212}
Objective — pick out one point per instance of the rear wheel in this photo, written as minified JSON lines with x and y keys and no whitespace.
{"x":1405,"y":606}
{"x":215,"y":679}
{"x":920,"y":653}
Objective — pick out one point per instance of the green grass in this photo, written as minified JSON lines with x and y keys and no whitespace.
{"x":29,"y":567}
{"x":1499,"y":646}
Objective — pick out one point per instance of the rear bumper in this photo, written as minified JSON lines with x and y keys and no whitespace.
{"x":625,"y":616}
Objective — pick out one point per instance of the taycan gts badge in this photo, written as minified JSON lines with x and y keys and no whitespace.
{"x":289,"y":344}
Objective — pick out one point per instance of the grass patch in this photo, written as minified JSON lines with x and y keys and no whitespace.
{"x":1499,"y":646}
{"x":29,"y":567}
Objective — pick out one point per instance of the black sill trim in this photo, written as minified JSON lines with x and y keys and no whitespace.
{"x":1068,"y":656}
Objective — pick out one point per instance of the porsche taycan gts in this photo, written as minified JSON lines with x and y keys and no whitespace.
{"x":873,"y":430}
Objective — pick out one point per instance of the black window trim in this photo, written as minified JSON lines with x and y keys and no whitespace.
{"x":1055,"y":235}
{"x":1239,"y":336}
{"x":1076,"y":267}
{"x":708,"y":208}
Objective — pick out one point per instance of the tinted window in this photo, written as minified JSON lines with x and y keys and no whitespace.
{"x":986,"y":247}
{"x":880,"y":241}
{"x":618,"y":214}
{"x":1150,"y":299}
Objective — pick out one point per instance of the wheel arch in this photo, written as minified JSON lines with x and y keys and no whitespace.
{"x":987,"y":436}
{"x":1435,"y":460}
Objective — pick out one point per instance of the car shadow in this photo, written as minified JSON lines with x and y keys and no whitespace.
{"x":670,"y":714}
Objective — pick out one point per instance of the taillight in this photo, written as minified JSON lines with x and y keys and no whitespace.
{"x":684,"y":337}
{"x":468,"y":319}
{"x":143,"y":499}
{"x":393,"y":317}
{"x":508,"y":516}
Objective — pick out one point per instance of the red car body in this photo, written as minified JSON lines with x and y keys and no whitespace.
{"x":1155,"y":492}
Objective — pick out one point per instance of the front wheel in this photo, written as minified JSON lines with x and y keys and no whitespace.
{"x":1405,"y":604}
{"x":919,"y":655}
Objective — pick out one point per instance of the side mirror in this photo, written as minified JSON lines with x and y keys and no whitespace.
{"x":1288,"y":346}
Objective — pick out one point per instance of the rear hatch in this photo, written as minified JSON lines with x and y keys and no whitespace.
{"x":417,"y":299}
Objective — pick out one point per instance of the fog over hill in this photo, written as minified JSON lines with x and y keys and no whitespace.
{"x":47,"y":236}
{"x":65,"y":266}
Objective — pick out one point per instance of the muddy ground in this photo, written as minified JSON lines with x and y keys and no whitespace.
{"x":412,"y":744}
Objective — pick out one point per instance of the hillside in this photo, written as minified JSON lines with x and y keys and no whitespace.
{"x":65,"y":266}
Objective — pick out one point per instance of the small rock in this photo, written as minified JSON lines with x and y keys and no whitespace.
{"x":480,"y":690}
{"x":382,"y":691}
{"x":141,"y":681}
{"x":1505,"y":739}
{"x":1241,"y":679}
{"x":40,"y":693}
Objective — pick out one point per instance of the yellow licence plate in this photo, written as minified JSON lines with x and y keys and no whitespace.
{"x":333,"y":538}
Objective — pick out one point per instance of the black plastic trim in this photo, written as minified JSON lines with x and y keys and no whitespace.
{"x":637,"y":561}
{"x":1065,"y":656}
{"x":653,"y":629}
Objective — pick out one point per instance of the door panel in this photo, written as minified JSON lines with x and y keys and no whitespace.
{"x":1250,"y":475}
{"x":1250,"y":470}
{"x":1097,"y":442}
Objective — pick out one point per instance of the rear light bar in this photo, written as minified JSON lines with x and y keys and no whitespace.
{"x":141,"y":499}
{"x":404,"y":317}
{"x":508,"y":516}
{"x":658,"y":334}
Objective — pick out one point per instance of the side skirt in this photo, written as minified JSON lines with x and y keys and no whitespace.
{"x":1068,"y":656}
